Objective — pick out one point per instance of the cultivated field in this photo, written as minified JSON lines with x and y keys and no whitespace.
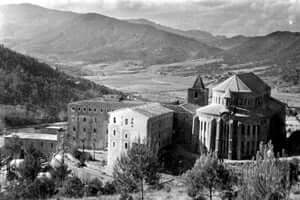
{"x":169,"y":82}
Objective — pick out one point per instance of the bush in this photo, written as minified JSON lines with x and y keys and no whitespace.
{"x":73,"y":187}
{"x":40,"y":189}
{"x":125,"y":196}
{"x":109,"y":188}
{"x":94,"y":187}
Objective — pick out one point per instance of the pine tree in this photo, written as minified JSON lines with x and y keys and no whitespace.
{"x":266,"y":177}
{"x":207,"y":173}
{"x":137,"y":166}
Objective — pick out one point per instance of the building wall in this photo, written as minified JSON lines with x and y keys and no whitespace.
{"x":197,"y":96}
{"x":156,"y":131}
{"x":88,"y":125}
{"x":47,"y":147}
{"x":183,"y":122}
{"x":237,"y":138}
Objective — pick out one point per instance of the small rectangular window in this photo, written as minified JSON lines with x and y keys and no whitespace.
{"x":126,"y":121}
{"x":114,"y":120}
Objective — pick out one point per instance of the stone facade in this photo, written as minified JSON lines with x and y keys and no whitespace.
{"x":198,"y":94}
{"x":45,"y":143}
{"x":88,"y":120}
{"x":150,"y":123}
{"x":241,"y":115}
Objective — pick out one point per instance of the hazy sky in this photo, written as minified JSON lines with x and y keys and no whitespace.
{"x":230,"y":17}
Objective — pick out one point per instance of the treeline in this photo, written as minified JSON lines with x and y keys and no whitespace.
{"x":26,"y":81}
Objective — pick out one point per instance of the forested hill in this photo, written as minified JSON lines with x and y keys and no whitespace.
{"x":40,"y":88}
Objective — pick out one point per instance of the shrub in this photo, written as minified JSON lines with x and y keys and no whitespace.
{"x":109,"y":188}
{"x":94,"y":187}
{"x":73,"y":187}
{"x":125,"y":196}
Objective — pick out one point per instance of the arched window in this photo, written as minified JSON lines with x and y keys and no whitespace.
{"x":196,"y":95}
{"x":126,"y":145}
{"x":114,"y":132}
{"x":114,"y":120}
{"x":242,"y":129}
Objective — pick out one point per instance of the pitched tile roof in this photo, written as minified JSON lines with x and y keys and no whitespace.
{"x":151,"y":109}
{"x":33,"y":136}
{"x":245,"y":82}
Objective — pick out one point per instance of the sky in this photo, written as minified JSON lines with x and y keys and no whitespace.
{"x":220,"y":17}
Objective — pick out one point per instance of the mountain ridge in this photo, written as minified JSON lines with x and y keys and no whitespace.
{"x":92,"y":37}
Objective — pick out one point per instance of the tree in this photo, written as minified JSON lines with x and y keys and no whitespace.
{"x":266,"y":178}
{"x":60,"y":173}
{"x":73,"y":187}
{"x":207,"y":173}
{"x":137,"y":166}
{"x":32,"y":164}
{"x":13,"y":148}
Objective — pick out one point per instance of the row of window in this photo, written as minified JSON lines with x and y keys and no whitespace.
{"x":239,"y":101}
{"x":84,"y":129}
{"x":84,"y":109}
{"x":125,"y":145}
{"x":114,"y":134}
{"x":126,"y":121}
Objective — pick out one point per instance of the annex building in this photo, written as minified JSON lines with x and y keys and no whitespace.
{"x":88,"y":120}
{"x":45,"y":143}
{"x":151,"y":123}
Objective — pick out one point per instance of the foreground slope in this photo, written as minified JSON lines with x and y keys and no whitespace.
{"x":66,"y":36}
{"x":38,"y":87}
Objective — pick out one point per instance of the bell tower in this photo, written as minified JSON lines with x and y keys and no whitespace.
{"x":198,"y":94}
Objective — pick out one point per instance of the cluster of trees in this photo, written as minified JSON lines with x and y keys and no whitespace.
{"x":25,"y":81}
{"x":25,"y":181}
{"x":266,"y":178}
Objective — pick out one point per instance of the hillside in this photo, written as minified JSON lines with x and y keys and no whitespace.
{"x":91,"y":38}
{"x":221,"y":42}
{"x":279,"y":46}
{"x":38,"y":88}
{"x":280,"y":50}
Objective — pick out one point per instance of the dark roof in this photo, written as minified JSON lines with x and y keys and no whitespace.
{"x":245,"y":82}
{"x":199,"y":83}
{"x":190,"y":107}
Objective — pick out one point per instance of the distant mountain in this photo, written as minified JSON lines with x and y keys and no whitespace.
{"x":42,"y":90}
{"x":67,"y":36}
{"x":221,"y":42}
{"x":280,"y":47}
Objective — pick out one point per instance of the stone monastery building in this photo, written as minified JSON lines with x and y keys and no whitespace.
{"x":241,"y":114}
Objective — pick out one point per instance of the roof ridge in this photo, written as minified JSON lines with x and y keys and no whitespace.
{"x":237,"y":83}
